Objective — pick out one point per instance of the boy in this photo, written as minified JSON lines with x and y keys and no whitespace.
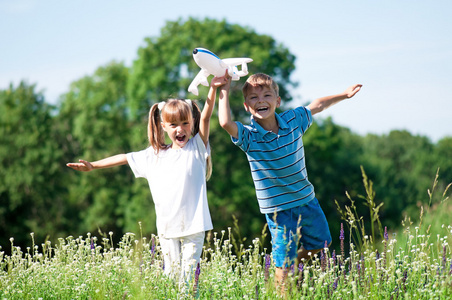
{"x":274,"y":148}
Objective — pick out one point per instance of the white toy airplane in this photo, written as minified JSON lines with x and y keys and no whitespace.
{"x":211,"y":64}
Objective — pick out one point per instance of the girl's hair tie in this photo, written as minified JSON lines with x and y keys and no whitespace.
{"x":189,"y":103}
{"x":160,"y":105}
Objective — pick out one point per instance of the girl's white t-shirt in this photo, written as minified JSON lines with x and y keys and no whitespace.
{"x":177,"y":179}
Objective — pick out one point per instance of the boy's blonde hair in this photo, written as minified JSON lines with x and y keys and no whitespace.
{"x":261,"y":80}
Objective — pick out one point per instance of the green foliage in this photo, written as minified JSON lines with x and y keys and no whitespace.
{"x":92,"y":268}
{"x":31,"y":191}
{"x":404,"y":165}
{"x":106,"y":113}
{"x":357,"y":224}
{"x":434,"y":217}
{"x":442,"y":153}
{"x":95,"y":120}
{"x":333,"y":159}
{"x":165,"y":66}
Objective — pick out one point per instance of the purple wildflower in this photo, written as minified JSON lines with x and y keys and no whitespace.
{"x":385,"y":246}
{"x":335,"y":283}
{"x":342,"y":237}
{"x":333,"y":256}
{"x":92,"y":244}
{"x":197,"y":272}
{"x":395,"y":292}
{"x":300,"y":274}
{"x":267,"y":266}
{"x":405,"y":276}
{"x":323,"y":260}
{"x":327,"y":262}
{"x":444,"y":257}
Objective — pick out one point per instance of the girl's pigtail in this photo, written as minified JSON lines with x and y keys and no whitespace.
{"x":196,"y":113}
{"x":156,"y":135}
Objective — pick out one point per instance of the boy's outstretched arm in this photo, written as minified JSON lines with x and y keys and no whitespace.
{"x":206,"y":114}
{"x":112,"y":161}
{"x":323,"y":103}
{"x":224,"y":111}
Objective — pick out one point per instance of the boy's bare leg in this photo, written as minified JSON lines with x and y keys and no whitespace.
{"x":280,"y":278}
{"x":281,"y":273}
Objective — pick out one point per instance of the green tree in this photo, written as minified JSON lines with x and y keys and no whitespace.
{"x":30,"y":174}
{"x":106,"y":113}
{"x":443,"y":155}
{"x":403,"y":167}
{"x":165,"y":66}
{"x":94,"y":120}
{"x":333,"y":159}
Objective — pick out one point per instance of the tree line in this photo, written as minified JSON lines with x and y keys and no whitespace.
{"x":106,"y":113}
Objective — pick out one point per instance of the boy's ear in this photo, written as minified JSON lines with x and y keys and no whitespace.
{"x":247,"y":109}
{"x":278,"y":102}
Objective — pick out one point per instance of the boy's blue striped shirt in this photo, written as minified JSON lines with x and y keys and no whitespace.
{"x":277,"y":161}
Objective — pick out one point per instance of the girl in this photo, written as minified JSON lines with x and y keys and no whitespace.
{"x":176,"y":174}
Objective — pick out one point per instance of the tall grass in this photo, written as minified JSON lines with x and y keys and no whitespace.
{"x":419,"y":266}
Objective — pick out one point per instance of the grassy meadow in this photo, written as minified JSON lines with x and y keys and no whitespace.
{"x":414,"y":263}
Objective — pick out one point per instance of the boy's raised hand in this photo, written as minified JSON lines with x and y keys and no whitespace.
{"x":83,"y":165}
{"x":352,"y":90}
{"x":220,"y":81}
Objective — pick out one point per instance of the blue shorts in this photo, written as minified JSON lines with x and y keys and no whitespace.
{"x":306,"y":224}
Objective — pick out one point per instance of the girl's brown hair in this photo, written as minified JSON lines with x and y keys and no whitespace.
{"x":173,"y":110}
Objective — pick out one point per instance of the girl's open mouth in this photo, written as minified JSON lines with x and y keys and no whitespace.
{"x":180,"y":138}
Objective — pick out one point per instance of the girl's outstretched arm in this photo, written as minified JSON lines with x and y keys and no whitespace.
{"x":86,"y":166}
{"x":206,"y":114}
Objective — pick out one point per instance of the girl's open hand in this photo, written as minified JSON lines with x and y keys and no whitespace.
{"x":83,"y":165}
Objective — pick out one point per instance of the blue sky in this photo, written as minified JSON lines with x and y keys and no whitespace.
{"x":400,"y":50}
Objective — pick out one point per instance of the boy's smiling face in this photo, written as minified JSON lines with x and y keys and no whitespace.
{"x":261,"y":102}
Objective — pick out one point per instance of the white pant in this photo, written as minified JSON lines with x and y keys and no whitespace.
{"x":182,"y":254}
